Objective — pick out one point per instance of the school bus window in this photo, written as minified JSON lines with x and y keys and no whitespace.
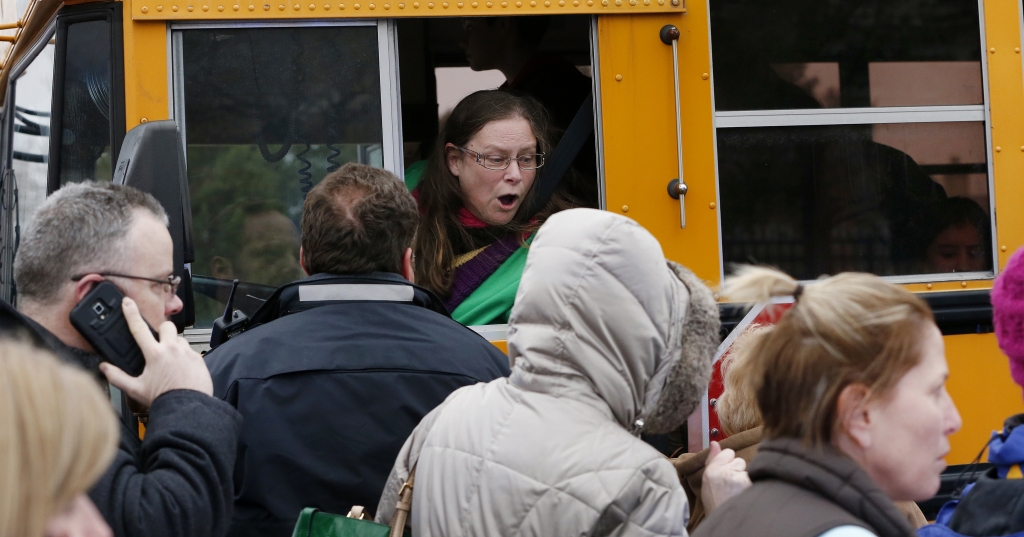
{"x":85,"y":114}
{"x":852,"y":136}
{"x":268,"y":112}
{"x":832,"y":53}
{"x":30,"y":141}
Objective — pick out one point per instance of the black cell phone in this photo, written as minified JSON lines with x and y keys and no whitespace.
{"x":98,"y":317}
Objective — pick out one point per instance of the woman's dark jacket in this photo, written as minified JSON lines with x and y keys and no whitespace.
{"x":803,"y":492}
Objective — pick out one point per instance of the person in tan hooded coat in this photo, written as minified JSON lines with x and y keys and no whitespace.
{"x":606,"y":339}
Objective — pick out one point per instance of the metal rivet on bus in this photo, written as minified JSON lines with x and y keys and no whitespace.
{"x":998,"y":149}
{"x":547,"y":4}
{"x":327,"y":7}
{"x":220,"y":8}
{"x":576,"y":3}
{"x":312,"y":7}
{"x":625,"y":208}
{"x":504,"y":4}
{"x":474,"y":4}
{"x":929,"y":286}
{"x":963,"y":284}
{"x":296,"y":7}
{"x":266,"y":7}
{"x":519,"y":4}
{"x":355,"y":6}
{"x":647,"y":2}
{"x":604,"y":3}
{"x":661,"y":2}
{"x":430,"y":5}
{"x":713,"y":402}
{"x":416,"y":5}
{"x":715,"y":296}
{"x":1017,"y":50}
{"x":444,"y":5}
{"x":236,"y":7}
{"x":280,"y":7}
{"x":618,"y":2}
{"x":174,"y":9}
{"x":159,"y":8}
{"x":1022,"y":148}
{"x":711,"y":205}
{"x":533,"y":4}
{"x":590,"y":2}
{"x":1003,"y":248}
{"x":704,"y":76}
{"x":618,"y":78}
{"x":143,"y":120}
{"x":992,"y":50}
{"x":144,"y":9}
{"x":561,"y":3}
{"x":252,"y":7}
{"x":190,"y":8}
{"x":714,"y":433}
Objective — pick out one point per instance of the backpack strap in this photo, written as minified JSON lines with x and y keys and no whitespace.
{"x":576,"y":135}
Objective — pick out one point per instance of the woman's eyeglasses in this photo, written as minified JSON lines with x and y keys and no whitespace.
{"x":500,"y":162}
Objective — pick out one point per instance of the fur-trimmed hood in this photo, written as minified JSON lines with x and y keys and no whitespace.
{"x":602,"y":317}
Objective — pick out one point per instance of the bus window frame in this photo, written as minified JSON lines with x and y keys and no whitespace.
{"x":595,"y":78}
{"x":873,"y":115}
{"x":7,"y":193}
{"x":112,"y":13}
{"x":387,"y":58}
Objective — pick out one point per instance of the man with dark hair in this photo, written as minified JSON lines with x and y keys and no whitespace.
{"x":177,"y":481}
{"x":343,"y":364}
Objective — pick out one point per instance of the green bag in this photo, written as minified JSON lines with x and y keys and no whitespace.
{"x":316,"y":523}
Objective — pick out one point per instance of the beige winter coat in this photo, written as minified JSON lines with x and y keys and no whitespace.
{"x":605,"y":336}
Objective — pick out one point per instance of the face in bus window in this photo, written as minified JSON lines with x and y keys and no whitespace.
{"x":494,"y":196}
{"x":269,"y":253}
{"x":483,"y":41}
{"x":958,"y":248}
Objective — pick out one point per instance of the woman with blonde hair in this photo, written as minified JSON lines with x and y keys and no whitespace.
{"x":58,"y":434}
{"x":851,"y":388}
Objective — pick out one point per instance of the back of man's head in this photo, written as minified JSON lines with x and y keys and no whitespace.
{"x":81,"y":228}
{"x":358,"y":220}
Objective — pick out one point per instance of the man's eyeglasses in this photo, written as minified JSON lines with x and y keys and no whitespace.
{"x":169,"y":285}
{"x":500,"y":162}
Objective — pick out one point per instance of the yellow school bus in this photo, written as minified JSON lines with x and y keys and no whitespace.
{"x":818,"y":136}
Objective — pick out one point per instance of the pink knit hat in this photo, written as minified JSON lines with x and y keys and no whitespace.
{"x":1008,"y":314}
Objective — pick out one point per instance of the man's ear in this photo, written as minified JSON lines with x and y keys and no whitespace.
{"x":408,"y":271}
{"x":452,"y":155}
{"x":83,"y":286}
{"x":302,"y":262}
{"x":853,"y":414}
{"x":221,"y":268}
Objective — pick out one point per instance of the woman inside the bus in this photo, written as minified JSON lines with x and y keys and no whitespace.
{"x":471,"y":242}
{"x":851,"y":388}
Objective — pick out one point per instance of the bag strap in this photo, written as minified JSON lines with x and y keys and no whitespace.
{"x":576,"y":135}
{"x":304,"y":526}
{"x":403,"y":507}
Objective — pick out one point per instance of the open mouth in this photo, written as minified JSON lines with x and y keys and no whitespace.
{"x":508,"y":201}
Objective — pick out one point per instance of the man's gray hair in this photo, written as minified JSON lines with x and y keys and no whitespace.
{"x":81,"y":228}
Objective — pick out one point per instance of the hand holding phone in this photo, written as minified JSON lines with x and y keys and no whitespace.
{"x":171,"y":364}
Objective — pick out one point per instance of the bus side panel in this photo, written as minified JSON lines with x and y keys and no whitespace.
{"x":981,"y":387}
{"x":1006,"y":98}
{"x":145,"y":71}
{"x":639,"y":127}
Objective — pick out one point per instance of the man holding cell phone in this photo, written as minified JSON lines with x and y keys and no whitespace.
{"x":178,"y":480}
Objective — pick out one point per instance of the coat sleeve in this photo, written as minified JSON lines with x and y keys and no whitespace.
{"x":405,"y":462}
{"x":178,"y":480}
{"x":659,"y":505}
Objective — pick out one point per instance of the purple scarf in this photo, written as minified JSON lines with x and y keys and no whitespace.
{"x":472,"y":273}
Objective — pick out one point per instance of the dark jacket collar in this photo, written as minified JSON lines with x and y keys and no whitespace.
{"x":326,"y":289}
{"x":832,"y":475}
{"x":14,"y":324}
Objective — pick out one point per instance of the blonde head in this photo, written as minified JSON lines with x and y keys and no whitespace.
{"x":851,"y":328}
{"x":737,"y":406}
{"x":58,"y":433}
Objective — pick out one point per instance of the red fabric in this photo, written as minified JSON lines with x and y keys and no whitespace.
{"x":466,"y":218}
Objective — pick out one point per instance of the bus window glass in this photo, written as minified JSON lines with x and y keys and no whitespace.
{"x":85,"y":115}
{"x":834,"y":53}
{"x":268,"y":112}
{"x":891,"y":199}
{"x":33,"y":92}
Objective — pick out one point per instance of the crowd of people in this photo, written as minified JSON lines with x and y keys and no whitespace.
{"x":361,"y":380}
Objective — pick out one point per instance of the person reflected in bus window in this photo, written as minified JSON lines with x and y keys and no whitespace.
{"x":257,"y":243}
{"x":851,"y":385}
{"x":58,"y":434}
{"x":960,"y":241}
{"x":511,"y":45}
{"x":473,"y":232}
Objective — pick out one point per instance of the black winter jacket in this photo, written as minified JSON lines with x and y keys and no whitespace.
{"x":330,"y":393}
{"x":175,"y":483}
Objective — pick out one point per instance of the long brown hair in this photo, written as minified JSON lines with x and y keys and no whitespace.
{"x":440,"y":195}
{"x":851,"y":328}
